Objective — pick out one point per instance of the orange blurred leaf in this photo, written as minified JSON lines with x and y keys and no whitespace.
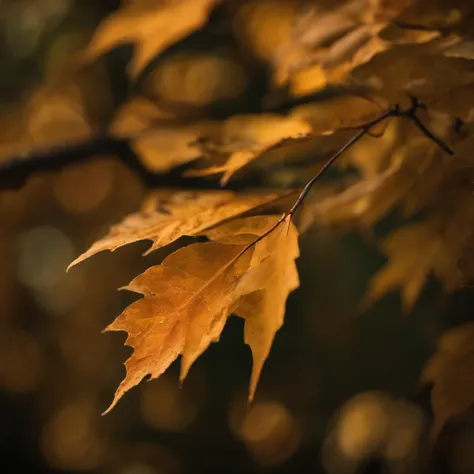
{"x":151,"y":26}
{"x":451,"y":371}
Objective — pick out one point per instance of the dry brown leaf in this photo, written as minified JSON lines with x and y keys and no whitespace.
{"x":451,"y":371}
{"x":188,"y":298}
{"x":167,"y":216}
{"x":151,"y":25}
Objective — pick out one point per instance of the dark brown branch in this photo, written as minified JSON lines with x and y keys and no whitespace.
{"x":15,"y":171}
{"x":429,"y":134}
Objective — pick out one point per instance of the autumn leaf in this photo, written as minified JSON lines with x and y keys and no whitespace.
{"x":420,"y":70}
{"x":266,"y":287}
{"x":326,"y":44}
{"x":336,"y":113}
{"x":151,"y":25}
{"x":167,"y":216}
{"x":160,"y":145}
{"x":188,"y":298}
{"x":349,"y":205}
{"x":186,"y":302}
{"x":272,"y":275}
{"x":443,"y":236}
{"x":451,"y":371}
{"x":394,"y":179}
{"x":231,"y":144}
{"x":244,"y":137}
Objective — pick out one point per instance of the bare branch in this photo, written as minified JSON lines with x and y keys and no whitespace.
{"x":15,"y":170}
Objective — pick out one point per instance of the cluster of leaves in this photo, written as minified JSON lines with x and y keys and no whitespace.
{"x":339,"y":66}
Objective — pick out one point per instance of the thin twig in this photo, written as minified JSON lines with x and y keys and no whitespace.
{"x":429,"y":134}
{"x":394,"y":111}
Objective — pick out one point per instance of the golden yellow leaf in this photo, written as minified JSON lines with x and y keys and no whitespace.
{"x":329,"y":41}
{"x":167,"y":216}
{"x":188,"y":298}
{"x":421,"y":70}
{"x":401,"y":175}
{"x":159,"y":145}
{"x":137,"y":115}
{"x":430,"y":247}
{"x":151,"y":25}
{"x":237,"y":140}
{"x":350,"y":205}
{"x":167,"y":147}
{"x":264,"y":129}
{"x":333,"y":114}
{"x":272,"y":276}
{"x":314,"y":32}
{"x":408,"y":267}
{"x":451,"y":371}
{"x":264,"y":25}
{"x":245,"y":137}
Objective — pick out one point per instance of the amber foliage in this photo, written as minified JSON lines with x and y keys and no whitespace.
{"x":330,"y":69}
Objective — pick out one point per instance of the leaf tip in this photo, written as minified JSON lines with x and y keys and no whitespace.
{"x":73,"y":264}
{"x":112,"y":405}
